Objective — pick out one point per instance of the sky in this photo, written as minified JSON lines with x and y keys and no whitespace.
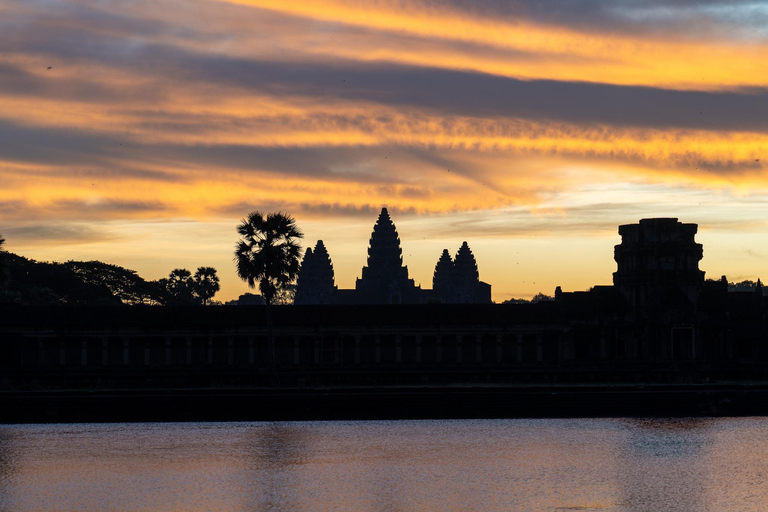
{"x":140,"y":132}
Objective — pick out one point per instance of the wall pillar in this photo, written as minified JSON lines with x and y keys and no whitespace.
{"x":146,"y":353}
{"x":104,"y":351}
{"x":539,"y":348}
{"x":126,"y":351}
{"x":167,"y":351}
{"x":357,"y":349}
{"x":418,"y":349}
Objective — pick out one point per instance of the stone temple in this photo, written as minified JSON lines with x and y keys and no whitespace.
{"x":385,"y":279}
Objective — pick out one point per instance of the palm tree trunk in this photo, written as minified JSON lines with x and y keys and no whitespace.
{"x":271,"y":339}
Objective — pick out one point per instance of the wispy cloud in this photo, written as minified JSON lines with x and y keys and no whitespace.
{"x":484,"y":117}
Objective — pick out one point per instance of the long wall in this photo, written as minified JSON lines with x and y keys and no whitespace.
{"x":119,"y":347}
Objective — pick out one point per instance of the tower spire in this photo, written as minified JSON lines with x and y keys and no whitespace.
{"x":385,"y":278}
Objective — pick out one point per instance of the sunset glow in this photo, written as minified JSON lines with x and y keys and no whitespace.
{"x":140,"y":133}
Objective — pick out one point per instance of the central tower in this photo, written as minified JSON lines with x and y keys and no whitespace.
{"x":385,"y":278}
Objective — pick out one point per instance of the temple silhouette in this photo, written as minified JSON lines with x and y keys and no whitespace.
{"x":661,"y":340}
{"x":385,"y":278}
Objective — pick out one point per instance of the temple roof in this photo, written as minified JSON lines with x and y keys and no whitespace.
{"x":384,"y":254}
{"x":466,"y":266}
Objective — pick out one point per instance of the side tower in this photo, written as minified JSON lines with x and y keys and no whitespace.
{"x":468,"y":289}
{"x":385,"y":278}
{"x":442,"y":279}
{"x":658,"y":265}
{"x":315,"y":284}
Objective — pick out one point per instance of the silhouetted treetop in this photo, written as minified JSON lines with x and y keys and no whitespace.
{"x":33,"y":282}
{"x":182,"y":288}
{"x":267,"y":254}
{"x":205,"y":284}
{"x":2,"y":259}
{"x":745,"y":286}
{"x":124,"y":284}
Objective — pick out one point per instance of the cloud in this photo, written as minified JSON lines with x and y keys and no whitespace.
{"x":568,"y":53}
{"x":689,"y":18}
{"x":97,"y":209}
{"x":318,"y":210}
{"x":438,"y":91}
{"x":52,"y":233}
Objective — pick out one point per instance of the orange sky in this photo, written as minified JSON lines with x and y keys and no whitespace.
{"x":140,"y":133}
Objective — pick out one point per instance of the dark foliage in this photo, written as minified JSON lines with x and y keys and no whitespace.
{"x":26,"y":281}
{"x":539,"y":297}
{"x":32,"y":282}
{"x":124,"y":284}
{"x":181,"y":288}
{"x":267,"y":254}
{"x":745,"y":286}
{"x":205,"y":284}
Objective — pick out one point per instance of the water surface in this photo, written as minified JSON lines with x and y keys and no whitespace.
{"x":463,"y":465}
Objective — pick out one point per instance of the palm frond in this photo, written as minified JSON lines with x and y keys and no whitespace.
{"x":268,"y":252}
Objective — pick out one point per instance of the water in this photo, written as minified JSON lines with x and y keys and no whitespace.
{"x":527,"y":465}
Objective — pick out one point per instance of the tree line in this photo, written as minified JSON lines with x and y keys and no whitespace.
{"x":31,"y":282}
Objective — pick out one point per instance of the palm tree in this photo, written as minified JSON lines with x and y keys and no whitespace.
{"x":206,"y":284}
{"x":2,"y":241}
{"x":267,"y":254}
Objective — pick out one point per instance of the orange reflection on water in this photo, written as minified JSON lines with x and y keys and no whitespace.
{"x":489,"y":465}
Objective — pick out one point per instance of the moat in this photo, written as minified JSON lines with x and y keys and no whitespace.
{"x":618,"y":465}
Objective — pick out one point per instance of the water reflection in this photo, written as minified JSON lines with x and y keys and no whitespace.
{"x":526,"y":465}
{"x":668,"y":437}
{"x":665,"y":461}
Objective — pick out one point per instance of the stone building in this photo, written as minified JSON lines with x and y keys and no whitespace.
{"x":658,"y":264}
{"x":458,"y":281}
{"x":385,"y":278}
{"x":315,"y":284}
{"x":660,"y":322}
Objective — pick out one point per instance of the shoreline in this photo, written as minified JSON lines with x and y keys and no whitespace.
{"x":384,"y":403}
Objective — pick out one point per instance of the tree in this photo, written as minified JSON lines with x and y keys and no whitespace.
{"x":126,"y":285}
{"x":267,"y":255}
{"x":206,"y":284}
{"x":180,"y":286}
{"x":2,"y":259}
{"x":744,"y":286}
{"x":285,"y":296}
{"x":35,"y":282}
